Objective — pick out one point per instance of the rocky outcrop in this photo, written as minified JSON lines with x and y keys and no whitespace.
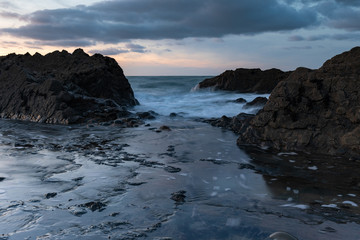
{"x":237,"y":124}
{"x":313,"y":110}
{"x":246,"y":80}
{"x":257,"y":102}
{"x":63,"y":88}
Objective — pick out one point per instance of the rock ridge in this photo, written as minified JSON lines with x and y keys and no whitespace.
{"x":313,"y":110}
{"x":63,"y":88}
{"x":246,"y":80}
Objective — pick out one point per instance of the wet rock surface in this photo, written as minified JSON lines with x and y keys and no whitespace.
{"x":63,"y":88}
{"x":237,"y":124}
{"x":132,"y":183}
{"x":178,"y":197}
{"x":313,"y":110}
{"x":246,"y":80}
{"x":257,"y":102}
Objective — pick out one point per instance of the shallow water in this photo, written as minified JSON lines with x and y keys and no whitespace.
{"x":61,"y":182}
{"x":167,"y":95}
{"x":193,"y":182}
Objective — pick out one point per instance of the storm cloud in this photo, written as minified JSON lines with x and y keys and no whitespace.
{"x":121,"y":21}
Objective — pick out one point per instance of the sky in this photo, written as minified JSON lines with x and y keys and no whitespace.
{"x":185,"y":37}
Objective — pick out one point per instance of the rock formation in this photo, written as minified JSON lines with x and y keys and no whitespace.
{"x":257,"y":102}
{"x":313,"y":110}
{"x":63,"y":88}
{"x":246,"y":80}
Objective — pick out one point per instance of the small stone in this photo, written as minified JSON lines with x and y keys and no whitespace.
{"x":171,"y":169}
{"x":165,"y":128}
{"x":240,"y":100}
{"x":178,"y":197}
{"x":50,"y":195}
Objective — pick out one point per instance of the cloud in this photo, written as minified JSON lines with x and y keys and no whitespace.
{"x":298,"y":48}
{"x":119,"y":21}
{"x":296,"y":38}
{"x":349,"y":2}
{"x":340,"y":14}
{"x":6,"y":14}
{"x":130,"y":47}
{"x":64,"y":43}
{"x":136,"y":48}
{"x":340,"y":37}
{"x":109,"y":51}
{"x":6,"y":4}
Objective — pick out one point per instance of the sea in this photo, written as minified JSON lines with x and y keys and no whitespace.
{"x":186,"y":181}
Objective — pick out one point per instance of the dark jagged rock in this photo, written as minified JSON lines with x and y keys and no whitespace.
{"x":94,"y":206}
{"x":313,"y":110}
{"x":257,"y":102}
{"x":178,"y":197}
{"x":240,"y":100}
{"x":50,"y":195}
{"x":172,"y":169}
{"x":62,"y":88}
{"x":237,"y":124}
{"x":147,"y":115}
{"x":246,"y":80}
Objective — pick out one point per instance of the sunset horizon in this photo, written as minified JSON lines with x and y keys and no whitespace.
{"x":185,"y":37}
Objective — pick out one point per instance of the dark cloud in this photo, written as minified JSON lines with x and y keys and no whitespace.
{"x":109,"y":51}
{"x":64,"y":43}
{"x":349,"y":2}
{"x":340,"y":37}
{"x":296,"y":38}
{"x":136,"y":48}
{"x":347,"y":18}
{"x":6,"y":14}
{"x":130,"y":47}
{"x":298,"y":48}
{"x":117,"y":21}
{"x":341,"y":14}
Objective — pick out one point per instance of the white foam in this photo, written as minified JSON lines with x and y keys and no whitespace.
{"x":301,"y":206}
{"x":329,"y":205}
{"x":350,"y":203}
{"x":352,"y":195}
{"x":287,"y":153}
{"x":313,"y":168}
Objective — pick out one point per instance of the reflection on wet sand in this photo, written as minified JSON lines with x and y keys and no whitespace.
{"x":193,"y":182}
